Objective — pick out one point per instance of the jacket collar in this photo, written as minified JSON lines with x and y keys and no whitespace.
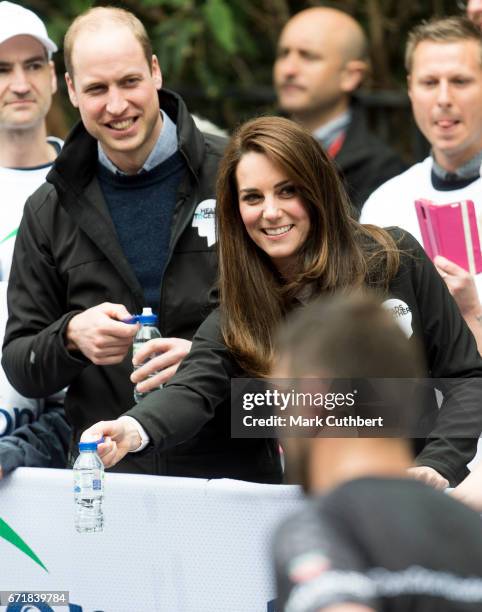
{"x":76,"y":165}
{"x":357,"y":128}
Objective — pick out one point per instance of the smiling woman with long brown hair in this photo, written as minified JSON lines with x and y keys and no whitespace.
{"x":285,"y":236}
{"x":335,"y":252}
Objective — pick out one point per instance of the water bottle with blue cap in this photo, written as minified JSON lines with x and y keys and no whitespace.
{"x":147,"y":331}
{"x":88,"y":488}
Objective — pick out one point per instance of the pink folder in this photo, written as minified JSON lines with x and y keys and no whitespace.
{"x":451,"y":230}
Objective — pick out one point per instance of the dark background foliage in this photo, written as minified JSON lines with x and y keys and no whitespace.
{"x":218,"y":54}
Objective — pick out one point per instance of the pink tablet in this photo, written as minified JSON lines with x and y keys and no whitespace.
{"x":451,"y":230}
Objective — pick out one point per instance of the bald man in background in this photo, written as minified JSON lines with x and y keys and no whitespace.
{"x":474,"y":11}
{"x":321,"y":61}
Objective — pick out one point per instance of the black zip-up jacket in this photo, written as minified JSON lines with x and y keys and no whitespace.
{"x":419,"y":300}
{"x":68,"y":258}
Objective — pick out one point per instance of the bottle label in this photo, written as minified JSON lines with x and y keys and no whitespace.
{"x":89,"y":480}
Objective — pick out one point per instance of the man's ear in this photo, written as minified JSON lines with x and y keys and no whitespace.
{"x":71,"y":90}
{"x":353,"y":74}
{"x":409,"y":86}
{"x":53,"y":77}
{"x":156,"y":72}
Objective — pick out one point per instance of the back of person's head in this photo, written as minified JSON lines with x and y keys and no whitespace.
{"x":443,"y":30}
{"x":348,"y":335}
{"x":97,"y":18}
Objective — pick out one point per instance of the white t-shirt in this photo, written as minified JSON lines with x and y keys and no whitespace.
{"x":15,"y":410}
{"x":16,"y":186}
{"x":393,"y":203}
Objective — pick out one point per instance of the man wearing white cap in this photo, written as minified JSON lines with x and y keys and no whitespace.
{"x":27,"y":82}
{"x":32,"y":432}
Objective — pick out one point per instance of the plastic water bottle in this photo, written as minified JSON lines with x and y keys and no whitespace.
{"x":147,"y":331}
{"x":88,"y":489}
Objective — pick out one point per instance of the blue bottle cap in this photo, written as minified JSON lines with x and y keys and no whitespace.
{"x":147,"y":317}
{"x":131,"y":320}
{"x":90,"y":446}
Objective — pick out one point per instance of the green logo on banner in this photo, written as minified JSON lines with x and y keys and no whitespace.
{"x":11,"y":235}
{"x":9,"y":534}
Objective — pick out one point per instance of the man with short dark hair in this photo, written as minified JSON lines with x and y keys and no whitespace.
{"x":371,"y":539}
{"x":444,"y":66}
{"x":32,"y":432}
{"x":126,"y":220}
{"x":322,"y":59}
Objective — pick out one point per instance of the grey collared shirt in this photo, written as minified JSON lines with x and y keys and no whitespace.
{"x":469,"y":170}
{"x":166,"y":145}
{"x":328,"y":133}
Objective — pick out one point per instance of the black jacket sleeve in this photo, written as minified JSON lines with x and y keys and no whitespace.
{"x":451,"y":353}
{"x":43,"y":443}
{"x":188,"y":401}
{"x":35,"y":359}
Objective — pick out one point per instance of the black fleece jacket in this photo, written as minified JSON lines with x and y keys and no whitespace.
{"x":68,"y":258}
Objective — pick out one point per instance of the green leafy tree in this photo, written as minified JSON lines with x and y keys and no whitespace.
{"x":219,"y":53}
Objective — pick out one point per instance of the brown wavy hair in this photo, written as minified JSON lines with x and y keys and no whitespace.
{"x":339,"y":254}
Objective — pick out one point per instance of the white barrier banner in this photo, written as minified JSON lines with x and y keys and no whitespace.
{"x":168,"y":545}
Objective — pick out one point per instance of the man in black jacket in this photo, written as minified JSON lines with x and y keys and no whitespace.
{"x":125,"y":221}
{"x":321,"y":61}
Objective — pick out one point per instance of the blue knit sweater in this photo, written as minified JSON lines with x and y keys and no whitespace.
{"x":141,"y":207}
